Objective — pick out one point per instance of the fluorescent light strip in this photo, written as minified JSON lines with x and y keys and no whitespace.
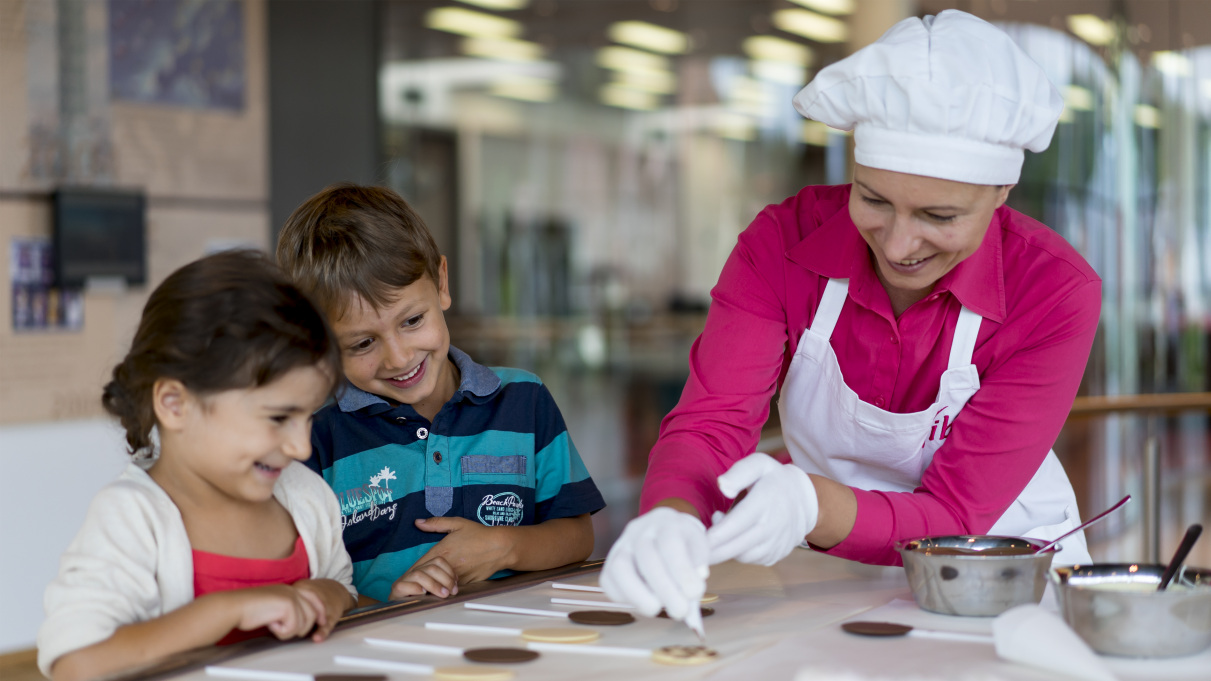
{"x":470,"y":23}
{"x":1091,"y":28}
{"x":778,"y":72}
{"x":499,"y":5}
{"x":525,"y":89}
{"x":1147,"y":116}
{"x":503,"y":48}
{"x":1171,"y":63}
{"x":626,"y":98}
{"x":735,"y":126}
{"x":773,"y":48}
{"x":1078,"y":98}
{"x":812,"y":26}
{"x":649,"y":37}
{"x":627,"y":59}
{"x":827,"y":6}
{"x":656,"y":82}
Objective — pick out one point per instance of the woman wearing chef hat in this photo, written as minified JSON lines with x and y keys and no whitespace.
{"x":925,"y":340}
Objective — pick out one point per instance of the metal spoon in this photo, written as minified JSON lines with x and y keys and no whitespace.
{"x":1085,"y":524}
{"x":1179,"y":556}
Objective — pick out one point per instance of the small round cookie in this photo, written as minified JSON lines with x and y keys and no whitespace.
{"x":709,"y":597}
{"x":876,"y":628}
{"x":500,"y":655}
{"x":560,"y":635}
{"x":706,"y":612}
{"x":466,"y":672}
{"x":684,"y":655}
{"x":608,"y":618}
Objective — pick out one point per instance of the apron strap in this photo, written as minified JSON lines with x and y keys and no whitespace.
{"x":964,"y":343}
{"x":830,"y":307}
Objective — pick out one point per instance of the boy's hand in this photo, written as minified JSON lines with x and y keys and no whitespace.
{"x":475,"y":551}
{"x":431,"y":574}
{"x":330,"y":600}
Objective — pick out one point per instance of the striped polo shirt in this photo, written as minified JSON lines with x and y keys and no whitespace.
{"x":497,"y":453}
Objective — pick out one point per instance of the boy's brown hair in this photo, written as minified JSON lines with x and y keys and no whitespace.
{"x":356,"y":239}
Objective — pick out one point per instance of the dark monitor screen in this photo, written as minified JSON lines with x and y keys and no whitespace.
{"x":99,"y":233}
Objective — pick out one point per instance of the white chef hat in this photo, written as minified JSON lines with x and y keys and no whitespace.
{"x":948,"y":96}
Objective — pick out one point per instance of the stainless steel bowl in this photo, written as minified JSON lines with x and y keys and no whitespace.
{"x":977,"y":575}
{"x":1116,"y":608}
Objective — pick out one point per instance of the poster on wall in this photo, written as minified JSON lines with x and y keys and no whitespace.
{"x":38,"y":306}
{"x":177,"y":52}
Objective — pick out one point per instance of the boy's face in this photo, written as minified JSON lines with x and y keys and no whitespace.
{"x":401,"y":352}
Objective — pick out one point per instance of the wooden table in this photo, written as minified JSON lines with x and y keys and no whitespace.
{"x":770,"y":623}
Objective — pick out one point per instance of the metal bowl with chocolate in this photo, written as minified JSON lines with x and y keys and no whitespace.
{"x":975,"y":575}
{"x":1117,"y":610}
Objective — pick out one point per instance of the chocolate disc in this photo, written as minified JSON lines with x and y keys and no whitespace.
{"x":876,"y":628}
{"x":601,"y":617}
{"x":706,"y":612}
{"x":684,"y":655}
{"x":500,"y":655}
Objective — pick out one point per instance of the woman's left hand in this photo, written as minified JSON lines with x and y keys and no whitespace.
{"x":780,"y":509}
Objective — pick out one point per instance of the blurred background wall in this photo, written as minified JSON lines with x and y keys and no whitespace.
{"x":586,"y":165}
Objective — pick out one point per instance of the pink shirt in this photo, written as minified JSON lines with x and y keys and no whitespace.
{"x":1040,"y":302}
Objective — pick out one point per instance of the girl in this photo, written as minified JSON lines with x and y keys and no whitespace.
{"x":224,"y":532}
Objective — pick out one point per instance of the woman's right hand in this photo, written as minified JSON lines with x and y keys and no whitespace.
{"x":660,"y":561}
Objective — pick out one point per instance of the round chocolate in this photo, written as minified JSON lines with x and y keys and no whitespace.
{"x":601,"y":617}
{"x":876,"y":628}
{"x":500,"y":655}
{"x":706,"y":612}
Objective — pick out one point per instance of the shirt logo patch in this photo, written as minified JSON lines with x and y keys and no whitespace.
{"x":370,"y":501}
{"x":505,"y":508}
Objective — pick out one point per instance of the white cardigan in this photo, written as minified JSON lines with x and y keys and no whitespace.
{"x":132,"y":561}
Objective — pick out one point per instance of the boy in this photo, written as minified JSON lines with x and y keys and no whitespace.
{"x":448,"y":472}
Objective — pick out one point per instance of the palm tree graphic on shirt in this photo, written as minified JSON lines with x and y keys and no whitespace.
{"x":383,"y":476}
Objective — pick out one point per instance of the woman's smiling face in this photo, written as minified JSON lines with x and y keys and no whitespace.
{"x":919,"y":228}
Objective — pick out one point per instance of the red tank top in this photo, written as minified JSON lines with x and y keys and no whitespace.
{"x":215,"y":572}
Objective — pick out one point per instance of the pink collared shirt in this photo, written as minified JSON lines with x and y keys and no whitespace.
{"x":1040,"y":302}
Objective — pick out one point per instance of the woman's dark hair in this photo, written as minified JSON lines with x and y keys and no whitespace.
{"x":228,"y":321}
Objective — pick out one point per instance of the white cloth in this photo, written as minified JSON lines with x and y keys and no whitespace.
{"x":132,"y":560}
{"x":948,"y":96}
{"x":831,"y":432}
{"x":1032,"y":636}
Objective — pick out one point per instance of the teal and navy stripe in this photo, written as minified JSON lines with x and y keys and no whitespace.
{"x":497,"y":453}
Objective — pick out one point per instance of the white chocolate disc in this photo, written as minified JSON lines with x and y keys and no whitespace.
{"x":684,"y":655}
{"x":561,"y":635}
{"x":466,"y":672}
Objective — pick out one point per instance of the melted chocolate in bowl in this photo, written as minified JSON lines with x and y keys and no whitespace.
{"x":991,"y":551}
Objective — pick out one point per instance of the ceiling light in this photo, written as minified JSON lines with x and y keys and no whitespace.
{"x":1147,"y":116}
{"x":626,"y":98}
{"x":498,"y":4}
{"x":1078,"y":98}
{"x":812,"y":26}
{"x":658,"y":82}
{"x":1171,"y":63}
{"x":826,"y":6}
{"x":627,"y":59}
{"x":816,"y":133}
{"x":469,"y":23}
{"x":526,"y":89}
{"x":778,"y":72}
{"x":735,"y":126}
{"x":1091,"y":28}
{"x":1206,"y":87}
{"x":649,"y":37}
{"x":502,"y":48}
{"x":772,"y":48}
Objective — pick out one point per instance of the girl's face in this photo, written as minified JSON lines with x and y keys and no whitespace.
{"x":919,"y":228}
{"x":236,"y":443}
{"x":401,"y":352}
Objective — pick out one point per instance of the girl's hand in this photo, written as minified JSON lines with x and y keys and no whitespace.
{"x":282,"y":609}
{"x":329,"y":599}
{"x":431,"y":574}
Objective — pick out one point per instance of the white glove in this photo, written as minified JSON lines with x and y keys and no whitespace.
{"x":660,"y":561}
{"x":779,"y":510}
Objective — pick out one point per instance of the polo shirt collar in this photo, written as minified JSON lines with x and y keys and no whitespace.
{"x":836,"y":250}
{"x":477,"y":383}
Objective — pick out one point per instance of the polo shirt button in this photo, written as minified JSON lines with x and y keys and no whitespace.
{"x":878,"y":401}
{"x":894,"y":340}
{"x":401,"y":419}
{"x":422,"y":433}
{"x":437,"y":457}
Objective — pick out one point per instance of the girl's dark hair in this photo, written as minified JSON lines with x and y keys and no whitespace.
{"x":228,"y":321}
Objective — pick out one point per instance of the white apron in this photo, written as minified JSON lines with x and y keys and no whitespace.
{"x":830,"y":432}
